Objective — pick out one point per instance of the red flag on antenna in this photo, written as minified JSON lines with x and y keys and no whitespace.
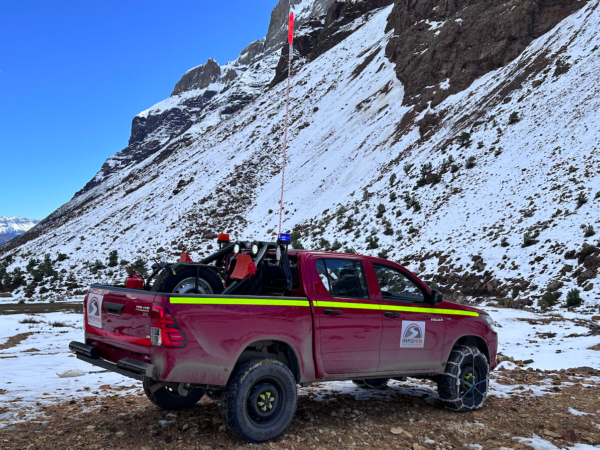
{"x":291,"y":29}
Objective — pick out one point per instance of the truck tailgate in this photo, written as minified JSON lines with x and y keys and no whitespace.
{"x":117,"y":322}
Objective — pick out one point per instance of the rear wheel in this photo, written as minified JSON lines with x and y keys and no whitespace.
{"x":372,"y":383}
{"x":166,"y":397}
{"x":184,"y":282}
{"x":260,"y":399}
{"x":464,"y":384}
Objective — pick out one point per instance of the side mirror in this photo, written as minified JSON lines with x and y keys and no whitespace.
{"x":436,"y":297}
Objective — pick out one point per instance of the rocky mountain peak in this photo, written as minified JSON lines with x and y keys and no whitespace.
{"x":199,"y":77}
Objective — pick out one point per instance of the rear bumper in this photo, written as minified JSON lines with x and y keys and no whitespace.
{"x":127,"y":367}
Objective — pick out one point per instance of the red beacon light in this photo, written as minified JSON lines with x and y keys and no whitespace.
{"x":223,"y":238}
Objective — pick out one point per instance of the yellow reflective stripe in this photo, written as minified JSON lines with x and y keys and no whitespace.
{"x":416,"y":309}
{"x":346,"y":305}
{"x":237,"y":301}
{"x":454,"y":312}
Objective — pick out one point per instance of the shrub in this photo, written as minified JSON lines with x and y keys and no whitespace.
{"x":98,"y":265}
{"x":113,"y":259}
{"x":62,"y":257}
{"x":31,"y":265}
{"x":480,"y":144}
{"x":464,"y":139}
{"x":581,"y":199}
{"x":336,"y":246}
{"x":30,"y":319}
{"x":380,"y":211}
{"x":348,"y":225}
{"x":548,"y":300}
{"x":435,"y":178}
{"x":398,"y":213}
{"x":426,"y":168}
{"x":416,"y":206}
{"x":412,"y":230}
{"x":589,"y":231}
{"x":528,"y":239}
{"x":573,"y":298}
{"x":508,"y":302}
{"x":270,"y":211}
{"x":513,"y":118}
{"x":349,"y":250}
{"x":470,"y":162}
{"x":504,"y":242}
{"x":372,"y":242}
{"x":295,"y":240}
{"x":597,"y":196}
{"x":123,"y":262}
{"x":392,"y":179}
{"x":324,"y":244}
{"x":383,"y":254}
{"x":433,"y":286}
{"x":393,"y":196}
{"x":498,"y":152}
{"x":586,"y":251}
{"x":407,"y":167}
{"x":365,"y":196}
{"x":515,"y":293}
{"x":454,"y":168}
{"x":139,"y":265}
{"x":421,"y":182}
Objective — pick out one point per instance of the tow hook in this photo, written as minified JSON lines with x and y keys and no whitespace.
{"x":183,"y":389}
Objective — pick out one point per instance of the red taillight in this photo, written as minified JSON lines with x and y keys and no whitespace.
{"x":165,"y":331}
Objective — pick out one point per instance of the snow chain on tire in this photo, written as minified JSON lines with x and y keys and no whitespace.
{"x":464,"y":384}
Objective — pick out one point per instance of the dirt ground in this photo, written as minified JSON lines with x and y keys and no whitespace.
{"x":39,"y":308}
{"x":395,"y":420}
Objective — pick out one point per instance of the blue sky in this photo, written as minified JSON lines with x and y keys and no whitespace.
{"x":75,"y":73}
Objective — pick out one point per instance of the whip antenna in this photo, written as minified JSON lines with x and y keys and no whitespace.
{"x":287,"y":113}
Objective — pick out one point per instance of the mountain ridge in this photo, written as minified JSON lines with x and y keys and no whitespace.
{"x":359,"y":176}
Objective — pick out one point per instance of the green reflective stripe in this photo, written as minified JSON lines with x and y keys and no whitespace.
{"x":237,"y":301}
{"x":346,"y":305}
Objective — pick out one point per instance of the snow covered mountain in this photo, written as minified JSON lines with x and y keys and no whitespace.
{"x":11,"y":227}
{"x":461,"y":139}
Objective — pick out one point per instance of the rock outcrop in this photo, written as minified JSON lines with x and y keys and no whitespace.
{"x":441,"y":46}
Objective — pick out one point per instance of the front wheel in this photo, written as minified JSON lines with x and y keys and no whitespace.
{"x":464,"y":384}
{"x":166,"y":397}
{"x":260,"y":399}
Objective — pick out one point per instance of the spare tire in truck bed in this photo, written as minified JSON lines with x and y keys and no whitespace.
{"x":184,"y":282}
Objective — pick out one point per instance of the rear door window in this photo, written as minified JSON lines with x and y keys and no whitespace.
{"x":395,"y":285}
{"x":343,"y":278}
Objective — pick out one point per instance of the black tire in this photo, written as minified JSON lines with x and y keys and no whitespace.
{"x":254,"y":418}
{"x":167,"y":282}
{"x":372,"y":383}
{"x":214,"y":394}
{"x":168,"y":398}
{"x":464,"y":384}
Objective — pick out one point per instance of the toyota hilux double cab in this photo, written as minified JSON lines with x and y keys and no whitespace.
{"x":251,"y":322}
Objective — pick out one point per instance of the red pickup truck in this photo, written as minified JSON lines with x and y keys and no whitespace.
{"x":251,"y":322}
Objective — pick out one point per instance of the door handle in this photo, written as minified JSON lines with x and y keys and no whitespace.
{"x":393,"y":315}
{"x":335,"y":312}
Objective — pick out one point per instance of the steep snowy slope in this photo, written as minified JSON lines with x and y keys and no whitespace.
{"x":359,"y":176}
{"x":11,"y":227}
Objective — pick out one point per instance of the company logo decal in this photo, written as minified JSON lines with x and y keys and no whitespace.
{"x":94,"y":310}
{"x":413,"y":334}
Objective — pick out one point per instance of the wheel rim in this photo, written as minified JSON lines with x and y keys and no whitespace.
{"x":188,"y":286}
{"x":265,"y":402}
{"x":472,"y":386}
